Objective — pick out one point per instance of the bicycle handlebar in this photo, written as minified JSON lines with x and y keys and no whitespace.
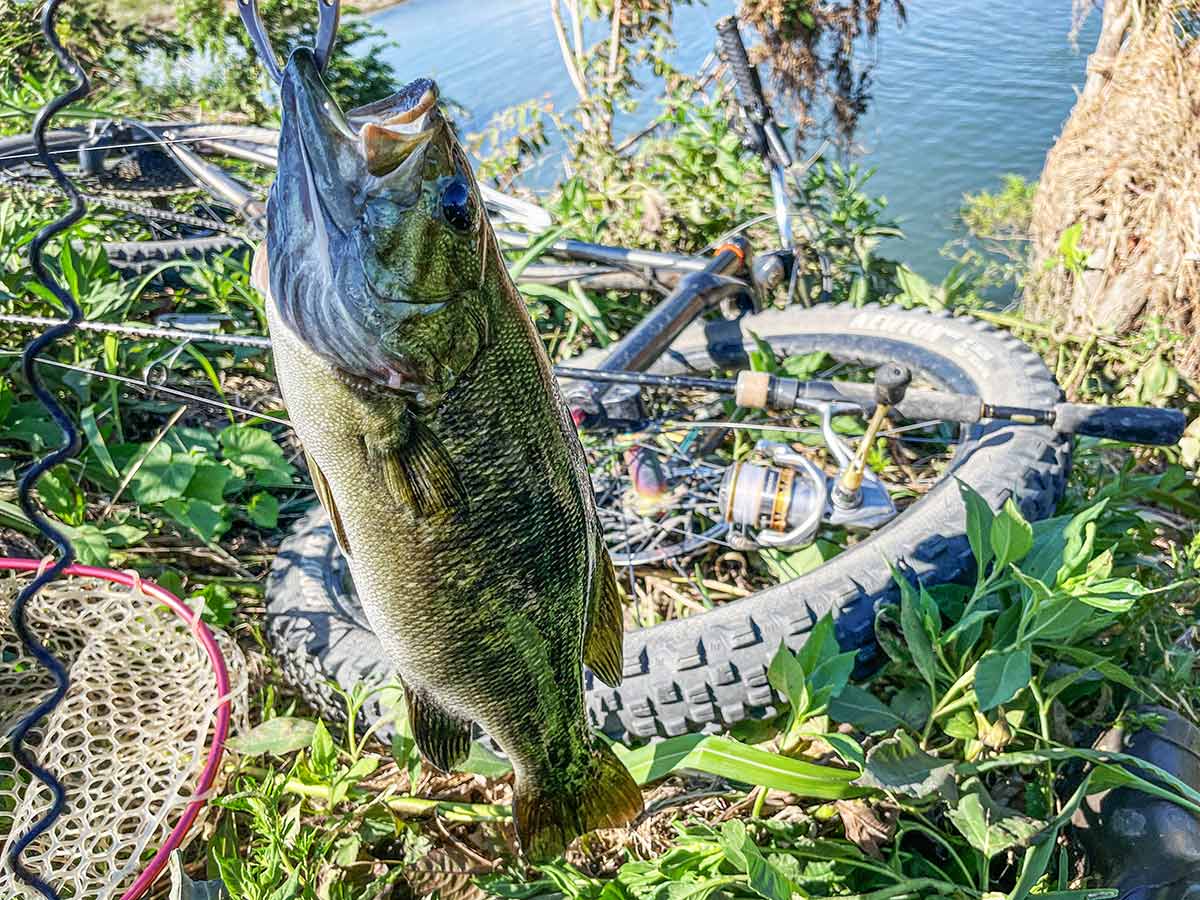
{"x":745,"y":76}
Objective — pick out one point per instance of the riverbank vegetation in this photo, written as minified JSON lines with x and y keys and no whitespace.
{"x":956,"y":768}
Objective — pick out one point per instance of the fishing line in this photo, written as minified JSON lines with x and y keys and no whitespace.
{"x":67,"y":450}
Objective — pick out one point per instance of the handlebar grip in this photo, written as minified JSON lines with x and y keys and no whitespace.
{"x":1132,"y":424}
{"x":745,"y":76}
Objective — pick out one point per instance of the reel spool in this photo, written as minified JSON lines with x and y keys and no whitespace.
{"x":784,"y":503}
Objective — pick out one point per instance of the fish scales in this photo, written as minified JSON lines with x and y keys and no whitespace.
{"x":440,"y":444}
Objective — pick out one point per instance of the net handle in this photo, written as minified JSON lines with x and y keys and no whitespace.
{"x":216,"y":659}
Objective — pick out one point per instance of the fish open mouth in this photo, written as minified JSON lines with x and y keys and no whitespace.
{"x":384,"y":133}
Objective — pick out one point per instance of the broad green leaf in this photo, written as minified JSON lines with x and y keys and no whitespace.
{"x":913,"y":705}
{"x":1091,"y":660}
{"x":988,"y":826}
{"x":482,"y":761}
{"x":847,"y":748}
{"x":786,"y":675}
{"x":217,"y":604}
{"x":208,"y":482}
{"x":864,"y":711}
{"x":162,"y":475}
{"x":1058,"y":619}
{"x":961,"y":725}
{"x":125,"y":535}
{"x":1116,"y":595}
{"x":254,"y":450}
{"x":208,"y":521}
{"x":967,"y":624}
{"x":61,"y":496}
{"x":1001,"y":675}
{"x":324,"y":752}
{"x":91,"y":544}
{"x":899,"y":766}
{"x":726,"y":758}
{"x":765,"y":879}
{"x":263,"y":510}
{"x":979,"y":526}
{"x":831,"y":677}
{"x":1012,"y":536}
{"x":820,"y":645}
{"x":280,"y":735}
{"x":913,"y":625}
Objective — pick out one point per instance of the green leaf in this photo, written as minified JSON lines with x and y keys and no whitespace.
{"x":913,"y":705}
{"x":1012,"y":536}
{"x":831,"y":677}
{"x":726,"y":758}
{"x":979,"y":526}
{"x":324,"y":752}
{"x":1091,"y":660}
{"x":124,"y":535}
{"x":91,"y":430}
{"x":263,"y":510}
{"x":821,"y":645}
{"x":254,"y":450}
{"x":912,"y":624}
{"x":162,"y":475}
{"x":864,"y":711}
{"x":217,"y":603}
{"x":786,"y":676}
{"x":345,"y":850}
{"x":765,"y":879}
{"x":61,"y":496}
{"x":91,"y":544}
{"x":280,"y":735}
{"x":1079,"y":536}
{"x":961,"y":725}
{"x":1001,"y":675}
{"x":1058,"y":619}
{"x":847,"y":748}
{"x":899,"y":766}
{"x":206,"y":520}
{"x":482,"y":761}
{"x":988,"y":826}
{"x":208,"y":482}
{"x":1116,"y":595}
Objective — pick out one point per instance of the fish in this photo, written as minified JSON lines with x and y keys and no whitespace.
{"x":439,"y":444}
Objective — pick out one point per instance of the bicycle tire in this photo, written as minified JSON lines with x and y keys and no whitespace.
{"x":706,"y":672}
{"x":140,"y":257}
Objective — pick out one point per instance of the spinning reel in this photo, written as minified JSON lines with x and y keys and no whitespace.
{"x":783,"y":500}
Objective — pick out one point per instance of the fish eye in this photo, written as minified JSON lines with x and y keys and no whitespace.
{"x":457,"y":205}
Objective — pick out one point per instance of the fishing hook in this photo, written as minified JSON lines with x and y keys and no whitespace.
{"x":69,"y":448}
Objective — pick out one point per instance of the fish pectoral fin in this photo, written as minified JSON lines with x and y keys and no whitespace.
{"x":597,"y":792}
{"x":443,"y":739}
{"x":419,"y":472}
{"x":606,"y":623}
{"x":325,"y":495}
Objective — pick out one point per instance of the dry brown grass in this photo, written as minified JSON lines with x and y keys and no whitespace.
{"x":1126,"y":167}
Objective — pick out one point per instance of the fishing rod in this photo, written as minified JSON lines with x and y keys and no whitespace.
{"x":753,"y":390}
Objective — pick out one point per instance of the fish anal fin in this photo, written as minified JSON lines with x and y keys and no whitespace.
{"x":606,"y":623}
{"x":551,"y":813}
{"x":325,"y":495}
{"x":418,"y":472}
{"x":443,"y":739}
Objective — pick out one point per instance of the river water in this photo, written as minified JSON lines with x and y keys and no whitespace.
{"x":965,"y":91}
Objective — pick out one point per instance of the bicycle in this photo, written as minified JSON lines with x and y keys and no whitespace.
{"x":677,"y":484}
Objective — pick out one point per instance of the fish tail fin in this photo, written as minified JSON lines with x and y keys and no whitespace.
{"x":598,"y":794}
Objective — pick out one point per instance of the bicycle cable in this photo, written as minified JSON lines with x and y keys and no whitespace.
{"x":67,"y":450}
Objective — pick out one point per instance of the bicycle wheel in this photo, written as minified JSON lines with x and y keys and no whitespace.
{"x":159,"y":211}
{"x":709,"y":670}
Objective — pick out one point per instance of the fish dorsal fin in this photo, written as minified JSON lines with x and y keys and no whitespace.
{"x":606,"y":623}
{"x":443,"y":739}
{"x":325,"y":495}
{"x":418,"y":472}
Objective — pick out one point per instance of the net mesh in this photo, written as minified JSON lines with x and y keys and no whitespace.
{"x":128,"y":742}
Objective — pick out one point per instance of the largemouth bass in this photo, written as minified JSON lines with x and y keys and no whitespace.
{"x":439,"y":444}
